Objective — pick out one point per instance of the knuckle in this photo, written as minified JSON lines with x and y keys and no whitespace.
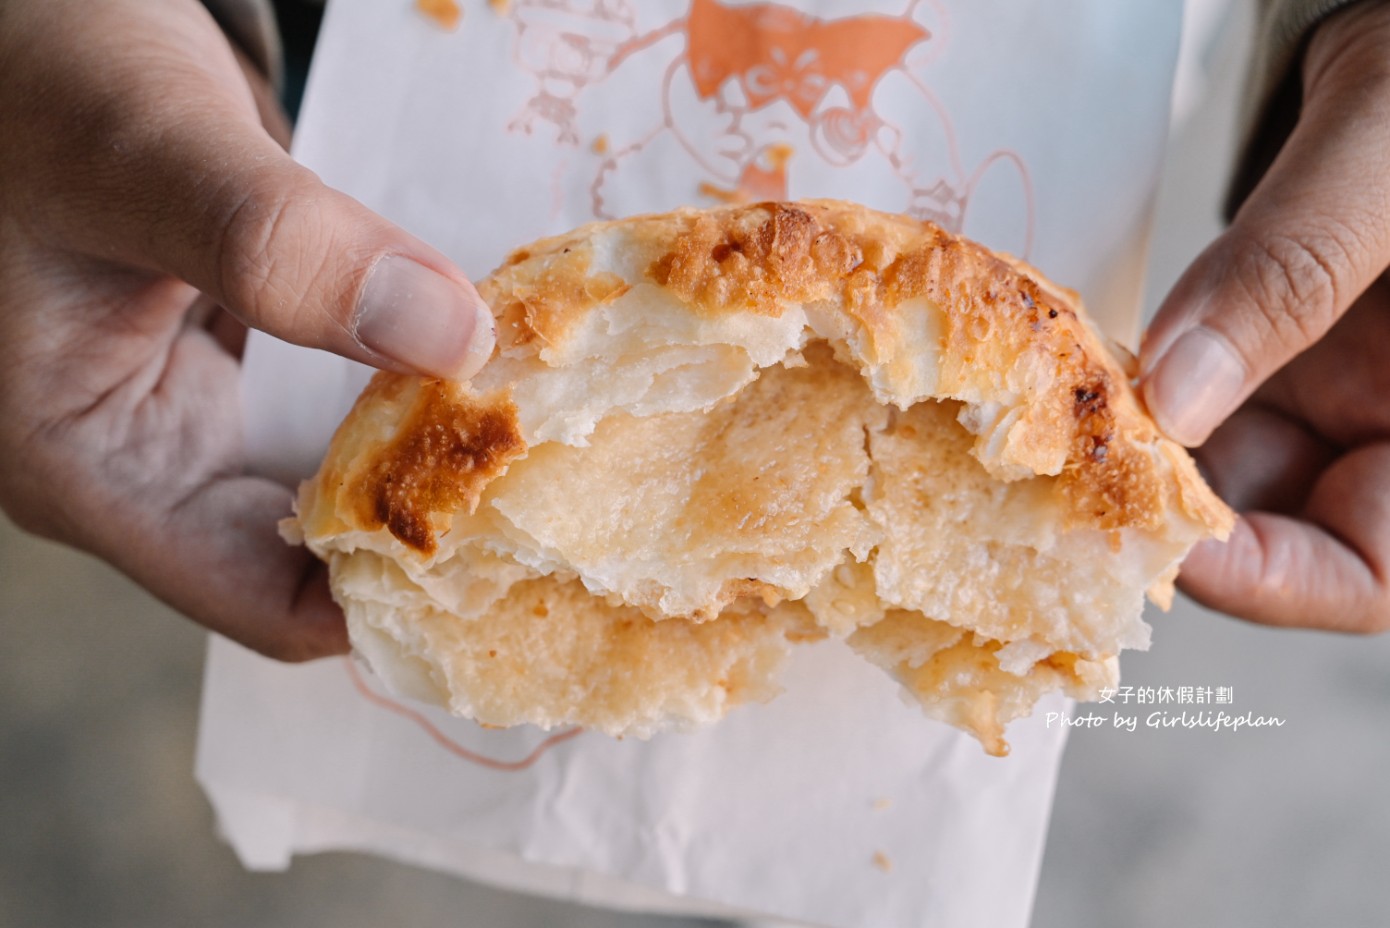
{"x":260,"y":252}
{"x":1294,"y":283}
{"x":245,"y":247}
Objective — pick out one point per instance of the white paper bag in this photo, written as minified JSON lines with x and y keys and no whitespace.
{"x":1035,"y":126}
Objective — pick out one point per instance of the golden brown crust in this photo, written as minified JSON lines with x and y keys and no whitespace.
{"x":409,"y":470}
{"x":448,"y":448}
{"x":542,"y":306}
{"x":686,"y":423}
{"x":723,"y":262}
{"x":1005,"y":330}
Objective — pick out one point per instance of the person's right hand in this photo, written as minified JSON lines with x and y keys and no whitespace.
{"x":139,"y":187}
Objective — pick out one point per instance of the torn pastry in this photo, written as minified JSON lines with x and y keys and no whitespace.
{"x":709,"y":436}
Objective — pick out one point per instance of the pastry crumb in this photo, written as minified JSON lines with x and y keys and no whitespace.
{"x":881,"y":804}
{"x":500,"y":7}
{"x":445,"y":13}
{"x":721,"y":194}
{"x":600,"y":144}
{"x":882,"y":862}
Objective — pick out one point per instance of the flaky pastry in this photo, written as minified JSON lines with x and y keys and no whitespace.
{"x":708,"y":436}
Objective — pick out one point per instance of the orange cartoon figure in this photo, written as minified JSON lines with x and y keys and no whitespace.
{"x":777,"y":53}
{"x":761,"y":101}
{"x":566,"y":45}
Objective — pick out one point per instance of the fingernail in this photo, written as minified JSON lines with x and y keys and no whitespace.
{"x":1194,"y":386}
{"x":409,"y":314}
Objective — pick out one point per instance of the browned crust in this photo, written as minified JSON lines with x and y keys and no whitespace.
{"x":722,"y":263}
{"x":1119,"y":471}
{"x":542,"y":306}
{"x":449,"y":445}
{"x":415,"y":453}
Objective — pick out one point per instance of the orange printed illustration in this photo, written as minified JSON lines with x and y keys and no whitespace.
{"x":755,"y":101}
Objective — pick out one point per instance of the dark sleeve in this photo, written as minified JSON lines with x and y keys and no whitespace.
{"x":1274,"y":89}
{"x":251,"y":25}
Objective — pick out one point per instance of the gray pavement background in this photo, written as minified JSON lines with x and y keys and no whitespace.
{"x":1270,"y":828}
{"x":101,"y":823}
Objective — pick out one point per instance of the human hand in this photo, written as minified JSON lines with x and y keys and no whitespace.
{"x":1283,"y":324}
{"x":138,"y":171}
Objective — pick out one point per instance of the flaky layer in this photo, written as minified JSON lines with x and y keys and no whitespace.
{"x":551,"y":654}
{"x":705,"y":433}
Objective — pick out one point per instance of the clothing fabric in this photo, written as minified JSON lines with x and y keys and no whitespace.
{"x":251,"y":25}
{"x":1273,"y":92}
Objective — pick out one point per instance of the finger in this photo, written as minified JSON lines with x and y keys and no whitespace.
{"x":1311,"y":237}
{"x":169,"y":505}
{"x":228,"y":332}
{"x":1277,"y":570}
{"x":1337,"y":384}
{"x":148,"y":476}
{"x":217,"y":558}
{"x":1261,"y":459}
{"x":172,"y":169}
{"x":1326,"y":570}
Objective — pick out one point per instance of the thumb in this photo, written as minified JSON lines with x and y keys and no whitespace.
{"x":1309,"y":240}
{"x":181,"y":177}
{"x":310,"y":265}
